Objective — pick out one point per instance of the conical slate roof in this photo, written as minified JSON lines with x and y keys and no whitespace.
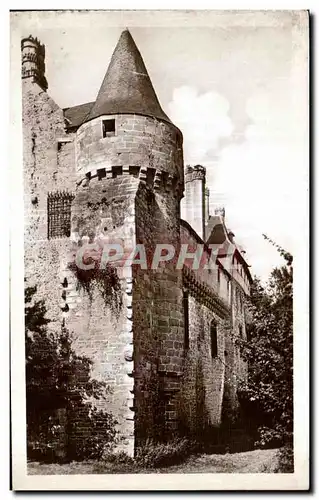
{"x":127,"y":87}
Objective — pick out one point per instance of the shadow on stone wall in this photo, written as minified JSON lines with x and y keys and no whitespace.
{"x":234,"y":435}
{"x":62,"y":422}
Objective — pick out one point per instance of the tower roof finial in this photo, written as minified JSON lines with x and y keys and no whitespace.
{"x":127,"y":87}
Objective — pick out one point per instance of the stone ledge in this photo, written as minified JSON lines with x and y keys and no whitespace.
{"x":204,"y":293}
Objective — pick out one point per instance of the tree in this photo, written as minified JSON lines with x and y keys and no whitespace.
{"x":268,"y":393}
{"x":57,"y":379}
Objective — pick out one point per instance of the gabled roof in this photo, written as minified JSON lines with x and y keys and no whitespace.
{"x":218,"y":235}
{"x":196,"y":236}
{"x":76,"y":115}
{"x":127,"y":87}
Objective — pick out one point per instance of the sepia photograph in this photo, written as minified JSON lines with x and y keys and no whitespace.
{"x":164,"y":170}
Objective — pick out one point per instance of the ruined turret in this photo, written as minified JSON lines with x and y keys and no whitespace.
{"x":33,"y":61}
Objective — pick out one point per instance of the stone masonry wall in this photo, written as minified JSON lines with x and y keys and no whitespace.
{"x":103,"y":212}
{"x":43,"y":123}
{"x":138,"y":141}
{"x":111,"y":172}
{"x":146,"y":335}
{"x":236,"y":367}
{"x":48,"y":168}
{"x":158,"y":319}
{"x":203,"y":378}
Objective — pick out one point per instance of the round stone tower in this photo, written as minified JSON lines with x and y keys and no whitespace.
{"x":33,"y":61}
{"x":126,"y":125}
{"x":130,"y":182}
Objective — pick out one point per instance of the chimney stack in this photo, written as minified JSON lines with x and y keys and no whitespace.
{"x":193,"y":204}
{"x":206,"y":205}
{"x":220,"y":211}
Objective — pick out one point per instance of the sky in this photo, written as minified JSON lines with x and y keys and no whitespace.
{"x":236,"y":86}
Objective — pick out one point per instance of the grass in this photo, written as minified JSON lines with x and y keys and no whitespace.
{"x":256,"y":461}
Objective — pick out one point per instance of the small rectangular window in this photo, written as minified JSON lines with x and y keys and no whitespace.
{"x":213,"y":339}
{"x":108,"y":128}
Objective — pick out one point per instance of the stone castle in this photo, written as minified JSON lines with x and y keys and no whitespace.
{"x":113,"y":170}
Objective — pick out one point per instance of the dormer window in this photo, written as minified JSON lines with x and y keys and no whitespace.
{"x":108,"y":128}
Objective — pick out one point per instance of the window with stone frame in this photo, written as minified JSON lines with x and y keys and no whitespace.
{"x":108,"y":128}
{"x":59,"y":214}
{"x":213,"y":339}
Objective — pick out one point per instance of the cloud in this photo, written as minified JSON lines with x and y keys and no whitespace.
{"x":203,"y":119}
{"x":263,"y":180}
{"x":260,"y":180}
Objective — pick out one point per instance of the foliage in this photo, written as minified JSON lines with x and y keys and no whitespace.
{"x":286,"y":460}
{"x":268,"y":394}
{"x":59,"y":385}
{"x":105,"y":280}
{"x":95,"y":434}
{"x":118,"y":458}
{"x":153,"y":454}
